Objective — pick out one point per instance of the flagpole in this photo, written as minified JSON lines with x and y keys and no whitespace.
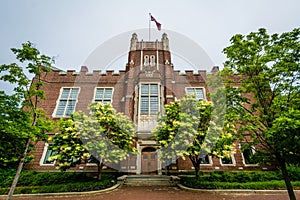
{"x":149,"y":25}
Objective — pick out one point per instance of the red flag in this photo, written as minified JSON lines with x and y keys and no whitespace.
{"x":158,"y":25}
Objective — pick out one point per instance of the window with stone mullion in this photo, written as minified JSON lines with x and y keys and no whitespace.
{"x":48,"y":154}
{"x":103,"y":95}
{"x":67,"y":101}
{"x":197,"y":91}
{"x":149,"y":99}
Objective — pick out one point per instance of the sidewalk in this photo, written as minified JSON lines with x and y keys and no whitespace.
{"x":161,"y":193}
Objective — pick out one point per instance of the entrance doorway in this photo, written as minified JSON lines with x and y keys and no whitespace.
{"x":149,"y":160}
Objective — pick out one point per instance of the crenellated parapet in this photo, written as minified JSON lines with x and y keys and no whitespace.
{"x":58,"y":75}
{"x":135,"y":44}
{"x":98,"y":73}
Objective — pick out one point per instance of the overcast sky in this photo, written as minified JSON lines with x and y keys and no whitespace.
{"x":72,"y":29}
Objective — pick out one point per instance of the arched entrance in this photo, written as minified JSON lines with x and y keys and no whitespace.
{"x":149,"y":160}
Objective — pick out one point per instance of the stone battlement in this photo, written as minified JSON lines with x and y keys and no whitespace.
{"x":84,"y":72}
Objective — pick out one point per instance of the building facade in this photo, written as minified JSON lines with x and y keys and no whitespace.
{"x":148,"y":82}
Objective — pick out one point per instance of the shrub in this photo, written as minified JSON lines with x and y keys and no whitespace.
{"x":32,"y":178}
{"x":254,"y":176}
{"x":221,"y":176}
{"x":271,"y":185}
{"x":70,"y":187}
{"x":242,"y":177}
{"x":294,"y":173}
{"x":6,"y":177}
{"x":65,"y":182}
{"x":215,"y":176}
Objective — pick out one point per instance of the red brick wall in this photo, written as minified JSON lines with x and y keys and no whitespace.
{"x":124,"y":83}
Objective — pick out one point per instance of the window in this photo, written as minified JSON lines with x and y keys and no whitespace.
{"x":146,"y":60}
{"x":46,"y":155}
{"x":228,"y":161}
{"x":199,"y":92}
{"x":103,"y":95}
{"x":145,"y":157}
{"x":248,"y":153}
{"x":152,"y":61}
{"x":204,"y":159}
{"x":174,"y":160}
{"x":67,"y":102}
{"x":153,"y":156}
{"x":91,"y":161}
{"x":149,"y":99}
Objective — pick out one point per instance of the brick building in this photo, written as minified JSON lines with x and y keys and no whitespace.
{"x":148,"y":82}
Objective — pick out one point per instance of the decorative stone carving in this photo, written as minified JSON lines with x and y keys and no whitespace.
{"x":165,"y":41}
{"x":133,"y":42}
{"x":149,"y":73}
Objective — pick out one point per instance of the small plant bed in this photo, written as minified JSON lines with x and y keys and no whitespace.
{"x":32,"y":182}
{"x":258,"y":180}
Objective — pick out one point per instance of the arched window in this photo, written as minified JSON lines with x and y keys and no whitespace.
{"x":152,"y":61}
{"x":146,"y":60}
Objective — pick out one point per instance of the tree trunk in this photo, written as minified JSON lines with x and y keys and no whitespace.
{"x":99,"y":171}
{"x":196,"y":165}
{"x":168,"y":170}
{"x":197,"y":169}
{"x":19,"y":170}
{"x":286,"y":177}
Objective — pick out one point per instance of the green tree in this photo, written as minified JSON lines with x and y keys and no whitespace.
{"x":67,"y":145}
{"x":23,"y":121}
{"x":104,"y":136}
{"x":14,"y":127}
{"x":186,"y":129}
{"x":265,"y":106}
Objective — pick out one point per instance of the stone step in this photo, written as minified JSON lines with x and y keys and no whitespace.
{"x":148,"y":180}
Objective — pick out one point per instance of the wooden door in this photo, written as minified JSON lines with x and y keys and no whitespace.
{"x":149,"y":162}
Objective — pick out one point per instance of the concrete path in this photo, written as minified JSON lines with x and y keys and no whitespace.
{"x":161,"y":193}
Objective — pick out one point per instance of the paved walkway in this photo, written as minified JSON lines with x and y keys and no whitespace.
{"x":160,"y":193}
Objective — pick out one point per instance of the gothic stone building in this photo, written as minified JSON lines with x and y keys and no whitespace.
{"x":148,"y":82}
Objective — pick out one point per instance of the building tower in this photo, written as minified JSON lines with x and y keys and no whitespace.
{"x":146,"y":91}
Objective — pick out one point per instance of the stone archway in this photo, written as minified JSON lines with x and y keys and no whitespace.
{"x":149,"y":160}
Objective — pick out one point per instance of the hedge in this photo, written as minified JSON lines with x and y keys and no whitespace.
{"x":33,"y":178}
{"x":70,"y":187}
{"x":243,"y":180}
{"x":48,"y":182}
{"x":248,"y":176}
